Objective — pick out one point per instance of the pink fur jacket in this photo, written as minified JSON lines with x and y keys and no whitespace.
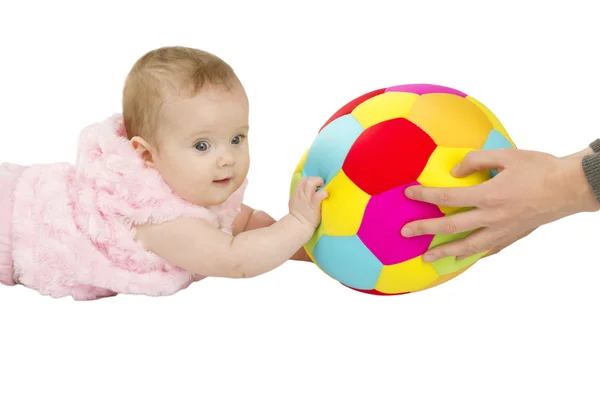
{"x":72,"y":224}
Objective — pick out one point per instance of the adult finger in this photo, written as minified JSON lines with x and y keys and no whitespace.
{"x":492,"y":252}
{"x":502,"y":244}
{"x":448,"y":225}
{"x":474,"y":243}
{"x":482,"y":160}
{"x":449,"y":197}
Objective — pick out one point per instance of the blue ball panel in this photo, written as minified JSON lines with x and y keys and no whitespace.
{"x":495,"y":141}
{"x":347,"y":259}
{"x":329,"y":149}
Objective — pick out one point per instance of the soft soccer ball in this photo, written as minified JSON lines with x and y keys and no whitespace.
{"x":367,"y":153}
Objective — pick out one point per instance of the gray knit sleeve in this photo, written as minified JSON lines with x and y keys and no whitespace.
{"x":595,"y":145}
{"x":591,"y":167}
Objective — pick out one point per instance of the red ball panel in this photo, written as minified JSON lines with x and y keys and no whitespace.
{"x":348,"y":108}
{"x":375,"y":292}
{"x":387,"y":155}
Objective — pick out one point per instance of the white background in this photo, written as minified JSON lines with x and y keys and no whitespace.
{"x":520,"y":325}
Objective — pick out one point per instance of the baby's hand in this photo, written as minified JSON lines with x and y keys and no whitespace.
{"x":305,"y":203}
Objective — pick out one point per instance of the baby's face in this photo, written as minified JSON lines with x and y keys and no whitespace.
{"x":203,"y":145}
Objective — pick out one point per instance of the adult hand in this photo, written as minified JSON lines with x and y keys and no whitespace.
{"x":531,"y":189}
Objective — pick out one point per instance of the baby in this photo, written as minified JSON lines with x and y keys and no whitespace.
{"x":153,"y":202}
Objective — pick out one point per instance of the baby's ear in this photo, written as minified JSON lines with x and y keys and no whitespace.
{"x":143,"y":149}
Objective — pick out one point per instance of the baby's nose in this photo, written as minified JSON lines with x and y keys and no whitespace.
{"x":226,"y":158}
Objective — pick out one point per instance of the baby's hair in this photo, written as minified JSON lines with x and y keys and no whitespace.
{"x":178,"y":71}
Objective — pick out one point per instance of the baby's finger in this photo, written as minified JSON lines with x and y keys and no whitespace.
{"x":312,"y":183}
{"x":321,"y":195}
{"x":300,"y":187}
{"x":315,"y":181}
{"x":309,"y":188}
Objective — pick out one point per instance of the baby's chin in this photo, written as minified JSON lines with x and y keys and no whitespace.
{"x":212,"y":197}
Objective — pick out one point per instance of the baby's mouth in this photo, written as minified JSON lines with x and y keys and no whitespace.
{"x":222,"y":181}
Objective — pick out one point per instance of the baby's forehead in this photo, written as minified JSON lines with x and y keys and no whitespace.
{"x":192,"y":127}
{"x":206,"y":110}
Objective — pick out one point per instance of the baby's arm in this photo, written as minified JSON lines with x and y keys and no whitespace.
{"x":249,"y":219}
{"x":194,"y":245}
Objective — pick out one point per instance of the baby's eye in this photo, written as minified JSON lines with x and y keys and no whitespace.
{"x":201,"y":146}
{"x":237,"y":139}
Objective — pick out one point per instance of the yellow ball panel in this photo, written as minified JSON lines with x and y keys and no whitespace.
{"x":493,"y":119}
{"x":302,"y":161}
{"x":310,"y":245}
{"x":407,"y":276}
{"x":295,"y":178}
{"x":447,"y":210}
{"x":342,"y":212}
{"x":437,"y":171}
{"x":384,"y":107}
{"x":451,"y":121}
{"x":446,"y":278}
